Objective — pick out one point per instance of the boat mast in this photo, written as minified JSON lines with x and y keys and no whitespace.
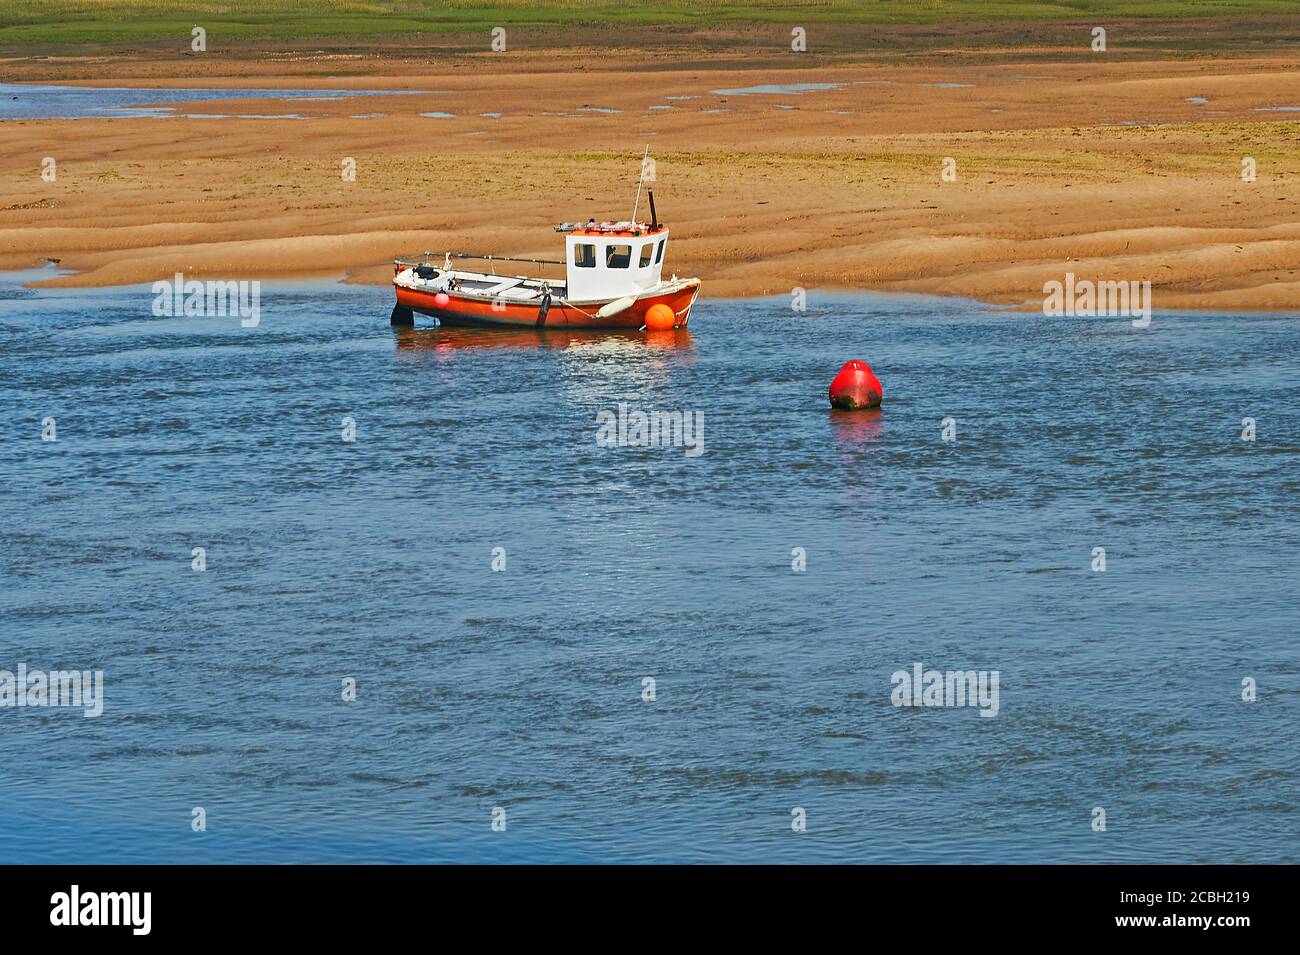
{"x":637,"y":204}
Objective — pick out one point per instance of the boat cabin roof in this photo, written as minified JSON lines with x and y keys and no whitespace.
{"x":611,"y":228}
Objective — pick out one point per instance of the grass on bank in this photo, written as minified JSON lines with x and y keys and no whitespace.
{"x":114,"y":21}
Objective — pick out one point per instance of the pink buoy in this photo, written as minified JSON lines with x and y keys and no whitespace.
{"x":442,"y":300}
{"x":855,"y":387}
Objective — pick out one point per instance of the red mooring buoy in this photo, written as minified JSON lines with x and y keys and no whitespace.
{"x":856,"y":386}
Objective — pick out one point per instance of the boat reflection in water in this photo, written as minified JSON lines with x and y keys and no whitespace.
{"x":446,"y":340}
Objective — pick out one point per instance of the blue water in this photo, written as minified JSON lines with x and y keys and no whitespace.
{"x":35,"y":101}
{"x":794,"y":89}
{"x":522,"y":689}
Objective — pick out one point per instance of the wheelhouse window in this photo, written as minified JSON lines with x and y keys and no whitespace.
{"x":618,"y":256}
{"x":584,"y":256}
{"x":647,"y":252}
{"x":659,"y":252}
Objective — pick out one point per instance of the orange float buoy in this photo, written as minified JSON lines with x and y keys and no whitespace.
{"x":442,"y":300}
{"x":660,"y":318}
{"x":856,"y":386}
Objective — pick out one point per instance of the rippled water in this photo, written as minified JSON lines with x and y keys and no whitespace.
{"x":522,"y":689}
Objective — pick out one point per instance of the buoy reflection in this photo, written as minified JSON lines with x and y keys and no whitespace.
{"x":857,"y":429}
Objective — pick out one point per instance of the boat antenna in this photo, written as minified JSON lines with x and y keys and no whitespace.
{"x":637,"y":204}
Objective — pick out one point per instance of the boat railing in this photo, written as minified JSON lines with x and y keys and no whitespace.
{"x":426,"y":257}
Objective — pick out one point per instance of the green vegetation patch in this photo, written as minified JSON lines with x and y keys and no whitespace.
{"x":115,"y":21}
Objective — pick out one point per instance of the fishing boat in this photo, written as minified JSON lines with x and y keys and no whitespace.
{"x":613,"y":279}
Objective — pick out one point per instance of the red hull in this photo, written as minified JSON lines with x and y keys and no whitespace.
{"x":466,"y":311}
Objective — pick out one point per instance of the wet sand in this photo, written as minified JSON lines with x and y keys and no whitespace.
{"x":1096,"y":164}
